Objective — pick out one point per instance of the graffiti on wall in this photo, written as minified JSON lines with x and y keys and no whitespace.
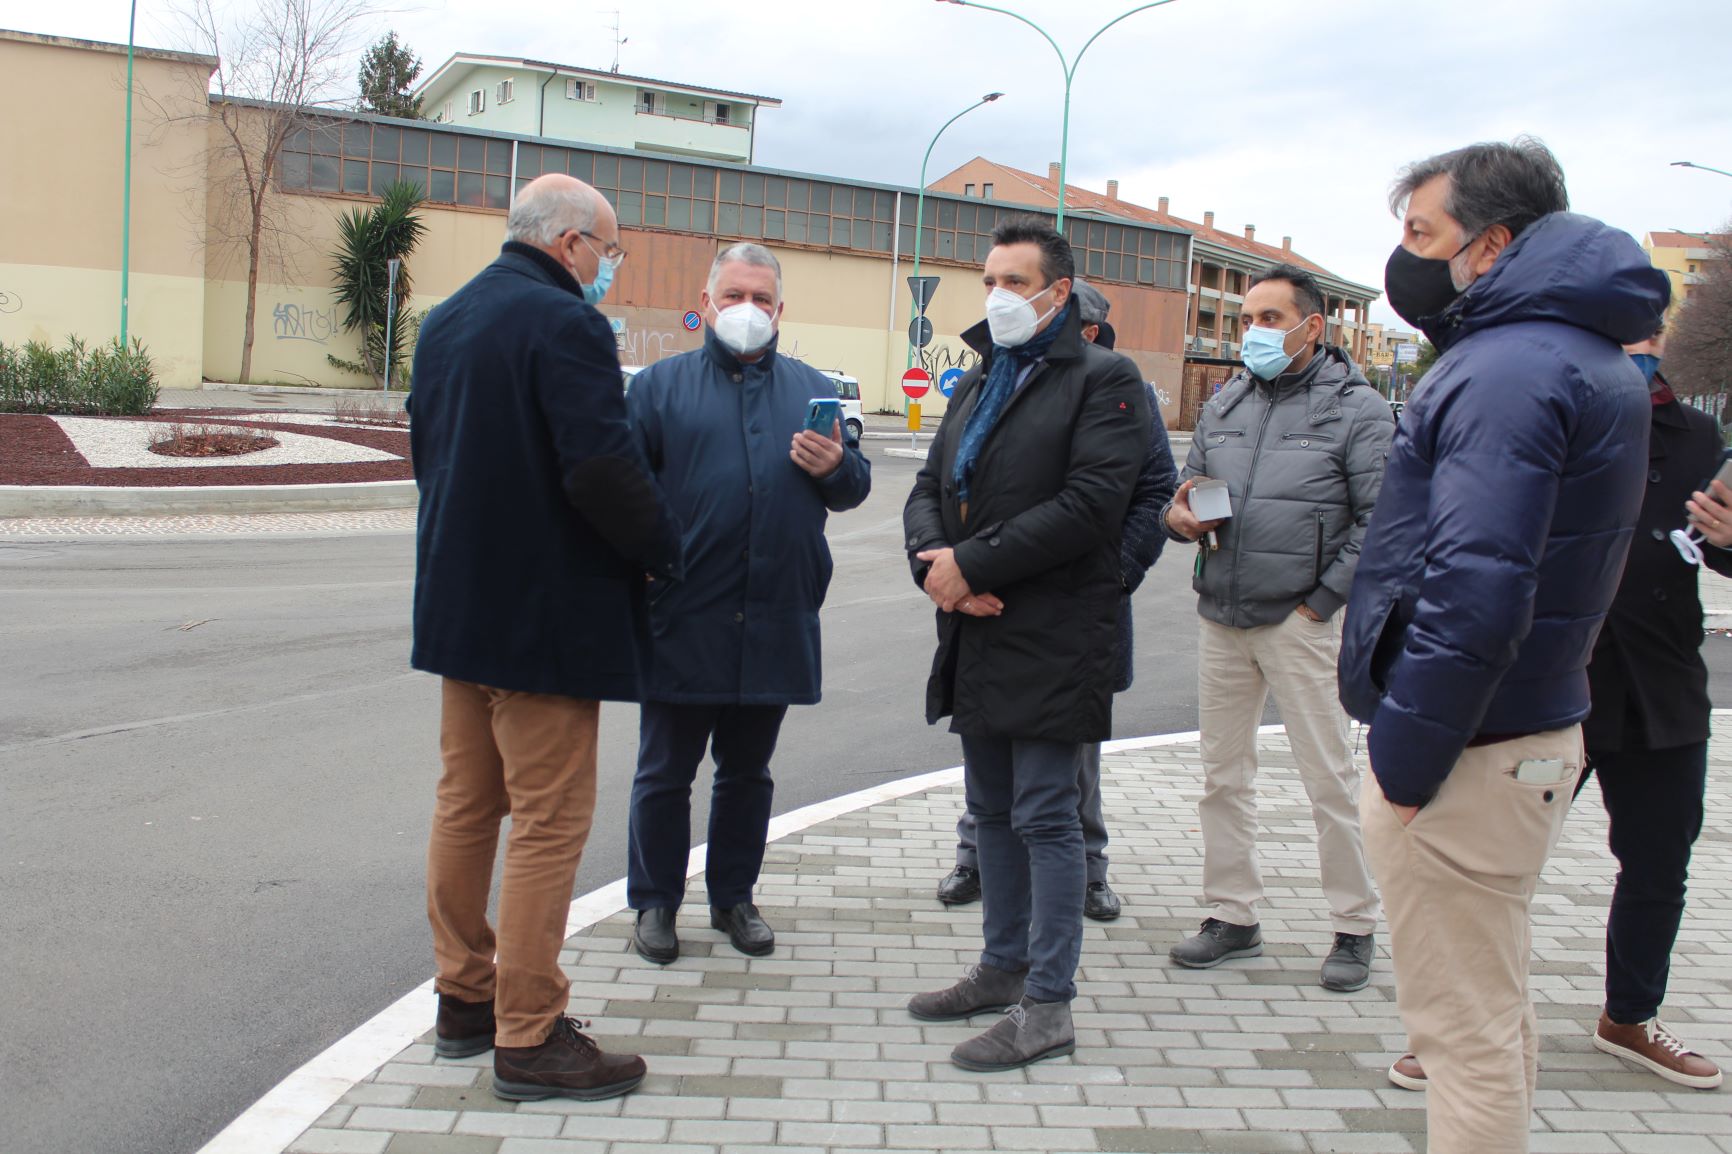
{"x":294,"y":322}
{"x":1163,"y":398}
{"x":936,"y":359}
{"x":10,"y":302}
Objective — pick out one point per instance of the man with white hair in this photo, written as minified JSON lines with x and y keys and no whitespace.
{"x":735,"y":641}
{"x":538,"y":520}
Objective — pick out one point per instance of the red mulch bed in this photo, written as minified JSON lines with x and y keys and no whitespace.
{"x":34,"y":451}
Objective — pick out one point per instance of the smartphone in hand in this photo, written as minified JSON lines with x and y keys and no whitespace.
{"x":822,"y":414}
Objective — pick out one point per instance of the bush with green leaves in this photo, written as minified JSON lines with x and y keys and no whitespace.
{"x":369,"y":241}
{"x":108,"y":380}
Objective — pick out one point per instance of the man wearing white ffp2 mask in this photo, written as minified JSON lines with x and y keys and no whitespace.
{"x":736,"y":642}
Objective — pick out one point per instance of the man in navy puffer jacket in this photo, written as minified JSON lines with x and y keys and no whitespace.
{"x":1513,"y":486}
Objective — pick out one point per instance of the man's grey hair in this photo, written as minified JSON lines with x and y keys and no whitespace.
{"x":1510,"y":184}
{"x":745,"y":253}
{"x":541,"y":215}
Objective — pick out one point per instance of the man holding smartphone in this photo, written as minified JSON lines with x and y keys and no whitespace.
{"x":736,"y":642}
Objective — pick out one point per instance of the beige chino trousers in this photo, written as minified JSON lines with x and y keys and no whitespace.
{"x":1458,"y":882}
{"x":1236,"y":670}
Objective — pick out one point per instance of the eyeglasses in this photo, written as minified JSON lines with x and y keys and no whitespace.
{"x":610,"y":252}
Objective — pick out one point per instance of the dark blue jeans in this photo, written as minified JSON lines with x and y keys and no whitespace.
{"x":1024,"y":795}
{"x":1094,"y":825}
{"x":671,"y":744}
{"x":1654,"y":800}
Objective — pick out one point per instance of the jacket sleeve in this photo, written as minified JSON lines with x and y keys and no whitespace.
{"x":1497,"y":459}
{"x":923,"y":514}
{"x":1144,"y":533}
{"x":603,"y":468}
{"x":1108,"y":444}
{"x":1367,"y":454}
{"x":848,"y":486}
{"x":1193,"y":468}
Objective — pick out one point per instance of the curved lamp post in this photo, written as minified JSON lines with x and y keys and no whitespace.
{"x":1069,"y":67}
{"x":920,"y":205}
{"x":1703,"y":167}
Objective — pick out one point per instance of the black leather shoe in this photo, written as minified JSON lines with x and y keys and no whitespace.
{"x":1348,"y":966}
{"x":654,"y":937}
{"x":1100,"y":902}
{"x":463,"y":1029}
{"x":749,"y":933}
{"x":960,"y":886}
{"x":1217,"y":942}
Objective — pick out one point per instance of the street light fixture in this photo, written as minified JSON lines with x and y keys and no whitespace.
{"x":1703,"y":167}
{"x":920,"y":205}
{"x":1069,"y":67}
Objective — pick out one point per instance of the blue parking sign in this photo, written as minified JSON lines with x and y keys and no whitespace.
{"x":947,"y":380}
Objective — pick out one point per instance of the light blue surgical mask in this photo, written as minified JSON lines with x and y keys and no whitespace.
{"x":596,"y":290}
{"x":1264,"y":350}
{"x":1649,"y":364}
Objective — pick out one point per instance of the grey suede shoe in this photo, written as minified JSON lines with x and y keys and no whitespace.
{"x":982,"y":988}
{"x":1028,"y":1032}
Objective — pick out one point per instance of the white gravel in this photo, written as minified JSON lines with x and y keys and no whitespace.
{"x":107,"y":444}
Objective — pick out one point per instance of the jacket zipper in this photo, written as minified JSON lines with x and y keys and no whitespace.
{"x":1318,"y":580}
{"x":1245,"y":503}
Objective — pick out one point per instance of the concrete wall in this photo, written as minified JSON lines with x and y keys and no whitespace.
{"x":60,"y":233}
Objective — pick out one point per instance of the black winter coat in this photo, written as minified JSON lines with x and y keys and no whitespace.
{"x":538,"y":515}
{"x":1046,"y":512}
{"x":1647,"y":681}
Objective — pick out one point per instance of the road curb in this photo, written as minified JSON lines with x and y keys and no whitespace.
{"x":117,"y":500}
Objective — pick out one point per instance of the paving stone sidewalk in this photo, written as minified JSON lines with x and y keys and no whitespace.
{"x":811,"y":1049}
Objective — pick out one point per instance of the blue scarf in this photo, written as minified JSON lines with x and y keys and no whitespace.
{"x":1001,"y":377}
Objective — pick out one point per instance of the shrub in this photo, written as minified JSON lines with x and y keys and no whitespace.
{"x":108,"y":380}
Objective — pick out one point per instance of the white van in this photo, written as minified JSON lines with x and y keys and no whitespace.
{"x":848,"y":391}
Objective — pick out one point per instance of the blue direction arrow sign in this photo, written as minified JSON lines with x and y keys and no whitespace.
{"x":947,"y":380}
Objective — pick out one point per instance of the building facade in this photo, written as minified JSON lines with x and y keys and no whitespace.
{"x":845,"y":246}
{"x":1683,"y":257}
{"x":1221,"y":265}
{"x":593,"y":106}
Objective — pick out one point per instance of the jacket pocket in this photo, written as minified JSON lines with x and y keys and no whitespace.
{"x":1310,"y":438}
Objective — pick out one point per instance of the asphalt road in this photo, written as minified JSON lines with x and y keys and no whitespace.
{"x":216,"y":772}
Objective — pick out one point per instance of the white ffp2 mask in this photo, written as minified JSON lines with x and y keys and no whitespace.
{"x":744,"y":328}
{"x":1011,"y":318}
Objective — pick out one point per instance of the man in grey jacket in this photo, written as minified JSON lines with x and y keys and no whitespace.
{"x":1300,"y":439}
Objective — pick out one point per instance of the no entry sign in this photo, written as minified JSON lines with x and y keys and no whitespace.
{"x":916,"y":382}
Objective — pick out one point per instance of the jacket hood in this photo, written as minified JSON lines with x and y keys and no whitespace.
{"x":1330,"y":373}
{"x":1567,"y":268}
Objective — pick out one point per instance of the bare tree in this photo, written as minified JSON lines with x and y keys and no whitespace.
{"x":287,"y":59}
{"x":1699,"y":345}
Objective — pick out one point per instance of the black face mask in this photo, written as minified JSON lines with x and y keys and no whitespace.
{"x":1419,"y":288}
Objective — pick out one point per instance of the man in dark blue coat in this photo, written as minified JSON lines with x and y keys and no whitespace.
{"x":1513,"y":487}
{"x":538,"y":521}
{"x":735,"y":642}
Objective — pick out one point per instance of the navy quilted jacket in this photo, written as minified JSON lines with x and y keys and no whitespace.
{"x":1513,"y":487}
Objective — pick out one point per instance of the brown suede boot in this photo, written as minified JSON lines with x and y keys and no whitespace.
{"x":463,"y":1028}
{"x":568,"y":1065}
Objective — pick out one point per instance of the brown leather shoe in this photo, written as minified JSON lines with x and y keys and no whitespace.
{"x":568,"y":1065}
{"x":1653,"y":1046}
{"x":463,"y":1028}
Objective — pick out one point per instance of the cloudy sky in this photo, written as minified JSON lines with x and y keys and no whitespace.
{"x":1288,"y":114}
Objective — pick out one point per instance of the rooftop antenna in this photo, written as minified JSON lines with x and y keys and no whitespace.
{"x":618,"y":41}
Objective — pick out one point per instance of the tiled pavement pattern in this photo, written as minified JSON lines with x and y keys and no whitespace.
{"x":211,"y":525}
{"x":811,"y":1050}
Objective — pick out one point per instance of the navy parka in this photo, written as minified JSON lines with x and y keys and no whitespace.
{"x":741,"y":627}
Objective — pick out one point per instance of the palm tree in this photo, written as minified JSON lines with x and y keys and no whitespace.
{"x":370,"y":241}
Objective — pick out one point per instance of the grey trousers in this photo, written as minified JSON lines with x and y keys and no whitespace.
{"x":1094,"y":826}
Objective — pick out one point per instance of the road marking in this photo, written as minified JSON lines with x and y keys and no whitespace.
{"x":295,"y":1103}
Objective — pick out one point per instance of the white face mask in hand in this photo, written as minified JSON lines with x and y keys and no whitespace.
{"x":1012,"y":318}
{"x":744,"y":328}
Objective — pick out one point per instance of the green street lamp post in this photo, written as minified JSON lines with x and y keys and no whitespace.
{"x":1703,"y":167}
{"x":126,"y":182}
{"x":920,"y":206}
{"x":1069,"y":67}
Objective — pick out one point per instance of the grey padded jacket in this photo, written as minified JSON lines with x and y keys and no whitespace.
{"x":1303,"y":459}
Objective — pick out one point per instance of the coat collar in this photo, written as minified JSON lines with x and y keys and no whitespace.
{"x":724,"y":358}
{"x":539,"y":265}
